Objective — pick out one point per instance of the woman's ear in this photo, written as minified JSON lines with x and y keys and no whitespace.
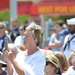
{"x":35,"y":41}
{"x":55,"y":70}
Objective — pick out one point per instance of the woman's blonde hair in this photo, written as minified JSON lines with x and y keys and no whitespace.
{"x":37,"y":32}
{"x":62,"y":60}
{"x":70,"y":58}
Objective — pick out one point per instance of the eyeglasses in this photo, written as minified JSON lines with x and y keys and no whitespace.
{"x":1,"y":27}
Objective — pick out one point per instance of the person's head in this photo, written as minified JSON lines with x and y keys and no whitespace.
{"x":58,"y":26}
{"x":22,"y":28}
{"x":63,"y":65}
{"x":51,"y":31}
{"x":73,"y":61}
{"x":7,"y":25}
{"x":51,"y":67}
{"x":71,"y":25}
{"x":14,"y":23}
{"x":2,"y":29}
{"x":13,"y":48}
{"x":70,"y":58}
{"x":33,"y":35}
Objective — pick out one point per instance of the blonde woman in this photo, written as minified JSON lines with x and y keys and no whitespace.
{"x":51,"y":67}
{"x":70,"y":58}
{"x":31,"y":61}
{"x":62,"y":61}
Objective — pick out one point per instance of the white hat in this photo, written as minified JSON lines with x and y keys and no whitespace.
{"x":71,"y":21}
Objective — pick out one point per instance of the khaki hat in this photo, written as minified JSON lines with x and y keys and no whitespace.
{"x":2,"y":24}
{"x":53,"y":60}
{"x":2,"y":58}
{"x":38,"y":31}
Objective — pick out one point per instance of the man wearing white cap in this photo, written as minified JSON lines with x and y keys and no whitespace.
{"x":69,"y":43}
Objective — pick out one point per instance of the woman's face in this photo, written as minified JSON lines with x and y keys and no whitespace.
{"x":29,"y":40}
{"x":73,"y":61}
{"x":49,"y":69}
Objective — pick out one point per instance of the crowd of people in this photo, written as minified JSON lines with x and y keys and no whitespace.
{"x":24,"y":55}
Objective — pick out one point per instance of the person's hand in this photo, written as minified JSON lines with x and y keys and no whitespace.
{"x":5,"y":57}
{"x":8,"y":54}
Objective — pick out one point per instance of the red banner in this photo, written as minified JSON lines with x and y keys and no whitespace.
{"x":4,"y":1}
{"x":53,"y":8}
{"x":4,"y":4}
{"x":41,"y":8}
{"x":24,"y":7}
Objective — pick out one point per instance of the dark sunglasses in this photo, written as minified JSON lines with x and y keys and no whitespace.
{"x":1,"y":27}
{"x":47,"y":62}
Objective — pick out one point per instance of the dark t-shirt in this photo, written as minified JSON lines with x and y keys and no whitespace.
{"x":14,"y":33}
{"x":3,"y":73}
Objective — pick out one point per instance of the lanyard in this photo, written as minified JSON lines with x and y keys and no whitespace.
{"x":68,"y":43}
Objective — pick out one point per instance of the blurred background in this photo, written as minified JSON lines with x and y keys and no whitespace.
{"x":43,"y":12}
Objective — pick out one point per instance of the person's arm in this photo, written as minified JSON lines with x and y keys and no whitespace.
{"x":9,"y":64}
{"x":9,"y":68}
{"x":60,"y":41}
{"x":17,"y":67}
{"x":51,"y":45}
{"x":51,"y":42}
{"x":56,"y":43}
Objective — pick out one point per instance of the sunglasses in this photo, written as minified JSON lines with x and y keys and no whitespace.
{"x":47,"y":62}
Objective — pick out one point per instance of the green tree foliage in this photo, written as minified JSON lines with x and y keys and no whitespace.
{"x":5,"y":15}
{"x":23,"y":18}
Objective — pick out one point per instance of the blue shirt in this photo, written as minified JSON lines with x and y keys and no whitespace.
{"x":60,"y":39}
{"x":2,"y":42}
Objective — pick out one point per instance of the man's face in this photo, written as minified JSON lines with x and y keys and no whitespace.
{"x":71,"y":29}
{"x":2,"y":31}
{"x":58,"y":28}
{"x":29,"y":40}
{"x":14,"y":23}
